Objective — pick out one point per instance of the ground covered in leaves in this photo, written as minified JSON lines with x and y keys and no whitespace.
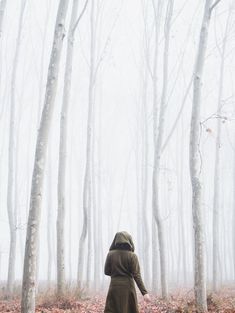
{"x":224,"y":302}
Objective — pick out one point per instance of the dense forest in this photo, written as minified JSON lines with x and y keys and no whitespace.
{"x":117,"y":116}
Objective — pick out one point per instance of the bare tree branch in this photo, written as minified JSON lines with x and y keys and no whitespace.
{"x":178,"y":115}
{"x":80,"y":16}
{"x":214,"y":5}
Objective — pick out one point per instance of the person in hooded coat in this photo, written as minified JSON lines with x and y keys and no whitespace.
{"x":123,"y":266}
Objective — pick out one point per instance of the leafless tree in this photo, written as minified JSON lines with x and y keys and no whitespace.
{"x":63,"y":148}
{"x":30,"y":259}
{"x":195,"y":164}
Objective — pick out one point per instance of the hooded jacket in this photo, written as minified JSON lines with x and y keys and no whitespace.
{"x":123,"y":266}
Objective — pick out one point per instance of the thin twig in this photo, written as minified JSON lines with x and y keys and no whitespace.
{"x":80,"y":16}
{"x":179,"y":114}
{"x":214,"y":5}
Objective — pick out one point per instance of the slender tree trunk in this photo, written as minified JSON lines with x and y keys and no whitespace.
{"x":144,"y":211}
{"x":157,"y":17}
{"x":181,"y":206}
{"x":62,"y":154}
{"x":145,"y":151}
{"x":139,"y":224}
{"x":216,"y":200}
{"x":155,"y":271}
{"x":30,"y":260}
{"x":91,"y":191}
{"x":157,"y":157}
{"x":195,"y":167}
{"x":11,"y":170}
{"x":40,"y":104}
{"x":100,"y":260}
{"x":95,"y":210}
{"x":41,"y":80}
{"x":87,"y":178}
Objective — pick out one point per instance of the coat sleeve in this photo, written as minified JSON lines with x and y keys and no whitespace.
{"x":135,"y":270}
{"x":107,"y":266}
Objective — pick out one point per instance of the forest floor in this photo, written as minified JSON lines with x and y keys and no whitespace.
{"x":223,"y":302}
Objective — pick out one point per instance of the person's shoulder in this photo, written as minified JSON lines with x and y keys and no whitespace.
{"x":134,"y":256}
{"x":112,"y":252}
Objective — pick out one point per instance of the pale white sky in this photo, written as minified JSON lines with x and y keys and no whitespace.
{"x":117,"y":105}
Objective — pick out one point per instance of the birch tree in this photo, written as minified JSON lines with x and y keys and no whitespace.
{"x":11,"y":151}
{"x":87,"y":177}
{"x":87,"y":186}
{"x":30,"y":259}
{"x":90,"y":147}
{"x":195,"y":164}
{"x":145,"y":150}
{"x":216,"y":199}
{"x":157,"y":17}
{"x":158,"y":141}
{"x":63,"y":148}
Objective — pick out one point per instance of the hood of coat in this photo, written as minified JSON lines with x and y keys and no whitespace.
{"x":121,"y":240}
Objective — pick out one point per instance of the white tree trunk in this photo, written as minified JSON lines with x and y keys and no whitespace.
{"x":40,"y":104}
{"x":95,"y":211}
{"x":87,"y":178}
{"x":91,"y":190}
{"x":157,"y":17}
{"x":195,"y":167}
{"x":30,"y":260}
{"x":155,"y":254}
{"x":100,"y":211}
{"x":11,"y":170}
{"x":182,"y":241}
{"x":216,"y":200}
{"x":63,"y":152}
{"x":158,"y":140}
{"x":144,"y":185}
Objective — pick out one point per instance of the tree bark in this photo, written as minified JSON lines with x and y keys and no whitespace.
{"x":195,"y":167}
{"x":63,"y":152}
{"x":158,"y":140}
{"x":144,"y":182}
{"x":30,"y":260}
{"x":157,"y":17}
{"x":87,"y":178}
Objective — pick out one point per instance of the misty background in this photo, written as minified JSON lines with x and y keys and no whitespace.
{"x":120,"y":35}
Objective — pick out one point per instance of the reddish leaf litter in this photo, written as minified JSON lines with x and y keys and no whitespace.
{"x":224,"y":302}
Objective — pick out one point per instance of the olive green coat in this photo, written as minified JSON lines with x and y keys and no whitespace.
{"x":123,"y":266}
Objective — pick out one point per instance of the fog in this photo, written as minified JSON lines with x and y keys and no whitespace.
{"x":122,"y":145}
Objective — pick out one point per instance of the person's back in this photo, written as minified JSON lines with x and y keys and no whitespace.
{"x":118,"y":263}
{"x":122,"y":265}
